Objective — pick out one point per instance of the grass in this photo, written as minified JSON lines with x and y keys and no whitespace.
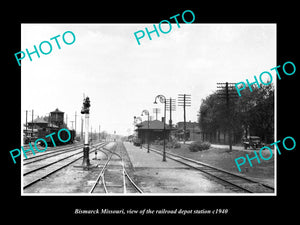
{"x":224,"y":159}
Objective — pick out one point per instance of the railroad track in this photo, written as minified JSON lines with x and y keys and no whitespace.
{"x":233,"y":181}
{"x":40,"y":171}
{"x":50,"y":154}
{"x":113,"y":177}
{"x":30,"y":155}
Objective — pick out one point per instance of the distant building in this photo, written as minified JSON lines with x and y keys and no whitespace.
{"x":193,"y":132}
{"x":56,"y":119}
{"x":33,"y":126}
{"x":155,"y":130}
{"x":37,"y":123}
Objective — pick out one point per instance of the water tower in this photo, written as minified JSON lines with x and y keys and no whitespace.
{"x":57,"y":117}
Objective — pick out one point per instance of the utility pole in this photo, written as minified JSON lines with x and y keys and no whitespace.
{"x":156,"y":111}
{"x":227,"y":91}
{"x":99,"y":133}
{"x":185,"y":101}
{"x":75,"y":121}
{"x":66,"y":120}
{"x":171,"y":106}
{"x":72,"y":124}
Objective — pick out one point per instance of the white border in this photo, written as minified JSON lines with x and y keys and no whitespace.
{"x":171,"y":194}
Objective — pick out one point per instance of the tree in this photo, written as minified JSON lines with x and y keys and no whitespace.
{"x":252,"y":111}
{"x":258,"y":111}
{"x":212,"y":114}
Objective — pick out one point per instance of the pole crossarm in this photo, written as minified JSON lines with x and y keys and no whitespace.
{"x":171,"y":104}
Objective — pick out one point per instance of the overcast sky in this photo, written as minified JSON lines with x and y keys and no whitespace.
{"x":122,"y":78}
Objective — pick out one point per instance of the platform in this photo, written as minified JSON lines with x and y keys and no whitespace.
{"x":157,"y":177}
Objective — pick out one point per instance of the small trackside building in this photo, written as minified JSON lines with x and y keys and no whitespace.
{"x":155,"y":131}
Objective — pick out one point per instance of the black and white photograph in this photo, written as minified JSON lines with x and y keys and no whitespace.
{"x":106,"y":112}
{"x":149,"y":111}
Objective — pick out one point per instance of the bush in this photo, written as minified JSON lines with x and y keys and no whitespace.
{"x":161,"y":142}
{"x":169,"y":144}
{"x":177,"y":145}
{"x":199,"y":146}
{"x":173,"y":144}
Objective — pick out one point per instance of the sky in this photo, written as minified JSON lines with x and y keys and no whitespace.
{"x":122,"y":78}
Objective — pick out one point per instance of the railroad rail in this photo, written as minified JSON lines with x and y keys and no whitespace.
{"x":38,"y":173}
{"x":49,"y":149}
{"x":50,"y":154}
{"x":235,"y":182}
{"x":113,"y":177}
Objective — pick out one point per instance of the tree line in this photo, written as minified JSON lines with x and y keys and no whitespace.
{"x":252,"y":114}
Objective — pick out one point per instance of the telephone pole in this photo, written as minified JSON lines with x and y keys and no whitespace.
{"x":72,"y":124}
{"x":227,"y":91}
{"x":99,"y":134}
{"x":171,"y":106}
{"x":66,"y":120}
{"x":185,"y":101}
{"x":156,"y":111}
{"x":76,"y":121}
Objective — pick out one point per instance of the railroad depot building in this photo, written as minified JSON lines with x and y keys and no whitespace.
{"x":155,"y":130}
